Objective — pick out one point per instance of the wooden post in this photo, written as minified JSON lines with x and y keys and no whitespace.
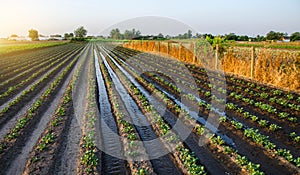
{"x":252,"y":62}
{"x":194,"y":52}
{"x":168,"y":47}
{"x":180,"y":51}
{"x":158,"y":49}
{"x":217,"y":56}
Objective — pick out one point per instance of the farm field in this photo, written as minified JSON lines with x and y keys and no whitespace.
{"x":100,"y":108}
{"x":7,"y":47}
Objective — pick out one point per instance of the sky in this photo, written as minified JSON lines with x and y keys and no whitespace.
{"x":243,"y":17}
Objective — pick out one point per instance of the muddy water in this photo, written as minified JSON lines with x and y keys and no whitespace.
{"x":159,"y":157}
{"x":112,"y":158}
{"x":161,"y":110}
{"x":205,"y":156}
{"x":266,"y":163}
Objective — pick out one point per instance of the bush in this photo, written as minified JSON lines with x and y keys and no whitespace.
{"x":78,"y":39}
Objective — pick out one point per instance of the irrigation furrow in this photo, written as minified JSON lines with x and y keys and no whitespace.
{"x":240,"y":141}
{"x":205,"y":156}
{"x":193,"y":113}
{"x":111,"y":148}
{"x":230,"y":80}
{"x":275,"y":140}
{"x":152,"y":144}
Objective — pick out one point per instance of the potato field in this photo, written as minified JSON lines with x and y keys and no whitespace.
{"x":100,"y":108}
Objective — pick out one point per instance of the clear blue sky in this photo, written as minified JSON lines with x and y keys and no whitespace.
{"x":249,"y":17}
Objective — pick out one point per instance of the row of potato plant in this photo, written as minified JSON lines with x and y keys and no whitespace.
{"x":207,"y":93}
{"x":33,"y":110}
{"x":199,"y":130}
{"x":184,"y":155}
{"x":33,"y":67}
{"x":12,"y":89}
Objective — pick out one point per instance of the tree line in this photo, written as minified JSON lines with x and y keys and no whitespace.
{"x":128,"y":34}
{"x":272,"y":35}
{"x":80,"y":34}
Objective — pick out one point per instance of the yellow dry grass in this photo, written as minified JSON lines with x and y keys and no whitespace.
{"x":278,"y":67}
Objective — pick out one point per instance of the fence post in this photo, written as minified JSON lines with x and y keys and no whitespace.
{"x":252,"y":61}
{"x":180,"y":51}
{"x":217,"y":56}
{"x":158,"y":47}
{"x":168,"y":47}
{"x":194,"y":52}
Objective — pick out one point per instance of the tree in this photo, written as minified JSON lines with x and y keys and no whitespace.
{"x":185,"y":36}
{"x":160,"y":35}
{"x":231,"y":36}
{"x":274,"y":35}
{"x":208,"y":35}
{"x":260,"y":38}
{"x":168,"y":37}
{"x":68,"y":36}
{"x":295,"y":36}
{"x":198,"y":35}
{"x":243,"y":38}
{"x":128,"y":34}
{"x":137,"y":34}
{"x":189,"y":34}
{"x":115,"y":34}
{"x":33,"y":34}
{"x":80,"y":32}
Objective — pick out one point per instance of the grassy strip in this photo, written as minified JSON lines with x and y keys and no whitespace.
{"x":261,"y":45}
{"x":28,"y":46}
